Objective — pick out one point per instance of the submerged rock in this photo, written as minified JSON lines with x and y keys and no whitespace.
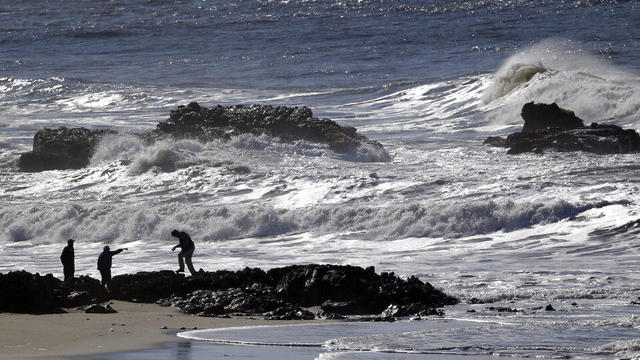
{"x":549,"y":127}
{"x":72,"y":148}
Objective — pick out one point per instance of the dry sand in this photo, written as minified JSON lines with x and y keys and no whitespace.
{"x":135,"y":326}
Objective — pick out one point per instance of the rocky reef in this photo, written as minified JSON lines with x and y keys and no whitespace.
{"x":549,"y":127}
{"x":72,"y":148}
{"x":280,"y":293}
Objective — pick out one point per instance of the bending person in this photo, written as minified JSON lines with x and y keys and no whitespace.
{"x":104,"y":264}
{"x":187,"y":247}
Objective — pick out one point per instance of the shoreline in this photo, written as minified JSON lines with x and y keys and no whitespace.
{"x":136,"y":326}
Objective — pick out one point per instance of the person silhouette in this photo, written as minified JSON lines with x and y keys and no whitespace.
{"x":187,"y":247}
{"x":68,"y":261}
{"x":104,"y":264}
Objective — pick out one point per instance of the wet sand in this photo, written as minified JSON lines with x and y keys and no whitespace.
{"x":135,"y":326}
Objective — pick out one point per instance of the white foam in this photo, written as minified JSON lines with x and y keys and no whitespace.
{"x":559,"y":71}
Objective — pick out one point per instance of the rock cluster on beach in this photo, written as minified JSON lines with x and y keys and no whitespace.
{"x":549,"y":127}
{"x":72,"y":148}
{"x":280,"y":293}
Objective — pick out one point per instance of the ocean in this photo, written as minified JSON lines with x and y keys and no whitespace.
{"x":430,"y":80}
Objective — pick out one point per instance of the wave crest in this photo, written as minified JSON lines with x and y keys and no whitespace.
{"x":97,"y":222}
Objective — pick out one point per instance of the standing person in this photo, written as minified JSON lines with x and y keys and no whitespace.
{"x":104,"y":264}
{"x":187,"y":247}
{"x":68,"y":261}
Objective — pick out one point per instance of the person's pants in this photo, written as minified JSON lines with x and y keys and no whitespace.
{"x":106,"y":277}
{"x":185,"y":256}
{"x":68,"y":273}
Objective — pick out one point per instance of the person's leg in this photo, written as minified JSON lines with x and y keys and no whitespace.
{"x":107,"y":277}
{"x":181,"y":261}
{"x":103,"y":276}
{"x":187,"y":257}
{"x":68,"y":274}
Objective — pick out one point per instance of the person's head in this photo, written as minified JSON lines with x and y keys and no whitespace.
{"x":70,"y":242}
{"x":106,"y":248}
{"x":175,"y":233}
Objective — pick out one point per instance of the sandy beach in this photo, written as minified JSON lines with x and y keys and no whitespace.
{"x":135,"y":326}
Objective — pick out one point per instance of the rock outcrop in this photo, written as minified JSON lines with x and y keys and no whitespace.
{"x":549,"y":127}
{"x":23,"y":292}
{"x":72,"y":148}
{"x":342,"y":290}
{"x":61,"y":148}
{"x":287,"y":123}
{"x":279,"y":293}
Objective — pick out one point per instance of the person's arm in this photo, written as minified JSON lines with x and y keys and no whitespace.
{"x":118,"y":251}
{"x":175,"y":247}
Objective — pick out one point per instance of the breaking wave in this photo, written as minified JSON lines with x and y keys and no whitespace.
{"x":559,"y":71}
{"x":48,"y":223}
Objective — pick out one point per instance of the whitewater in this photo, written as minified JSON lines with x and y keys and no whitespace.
{"x":521,"y":232}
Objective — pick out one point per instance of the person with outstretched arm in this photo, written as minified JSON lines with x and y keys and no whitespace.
{"x":104,"y":264}
{"x":187,"y":247}
{"x":68,"y":261}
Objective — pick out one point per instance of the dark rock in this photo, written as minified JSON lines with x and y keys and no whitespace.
{"x":61,"y":148}
{"x":147,"y":286}
{"x":476,"y":301}
{"x":339,"y":289}
{"x":289,"y":313}
{"x":411,"y":310}
{"x":84,"y":290}
{"x":312,"y":285}
{"x":546,"y":116}
{"x":99,"y":309}
{"x":153,"y":286}
{"x":549,"y":308}
{"x":254,"y":300}
{"x":329,"y":315}
{"x":72,"y":148}
{"x":502,"y":309}
{"x":287,"y":123}
{"x":548,"y":127}
{"x":23,"y":292}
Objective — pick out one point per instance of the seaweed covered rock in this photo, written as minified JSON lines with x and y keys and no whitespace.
{"x":23,"y":292}
{"x":61,"y":148}
{"x":287,"y":123}
{"x":549,"y":127}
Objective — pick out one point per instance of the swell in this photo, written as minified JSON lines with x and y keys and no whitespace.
{"x":44,"y":224}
